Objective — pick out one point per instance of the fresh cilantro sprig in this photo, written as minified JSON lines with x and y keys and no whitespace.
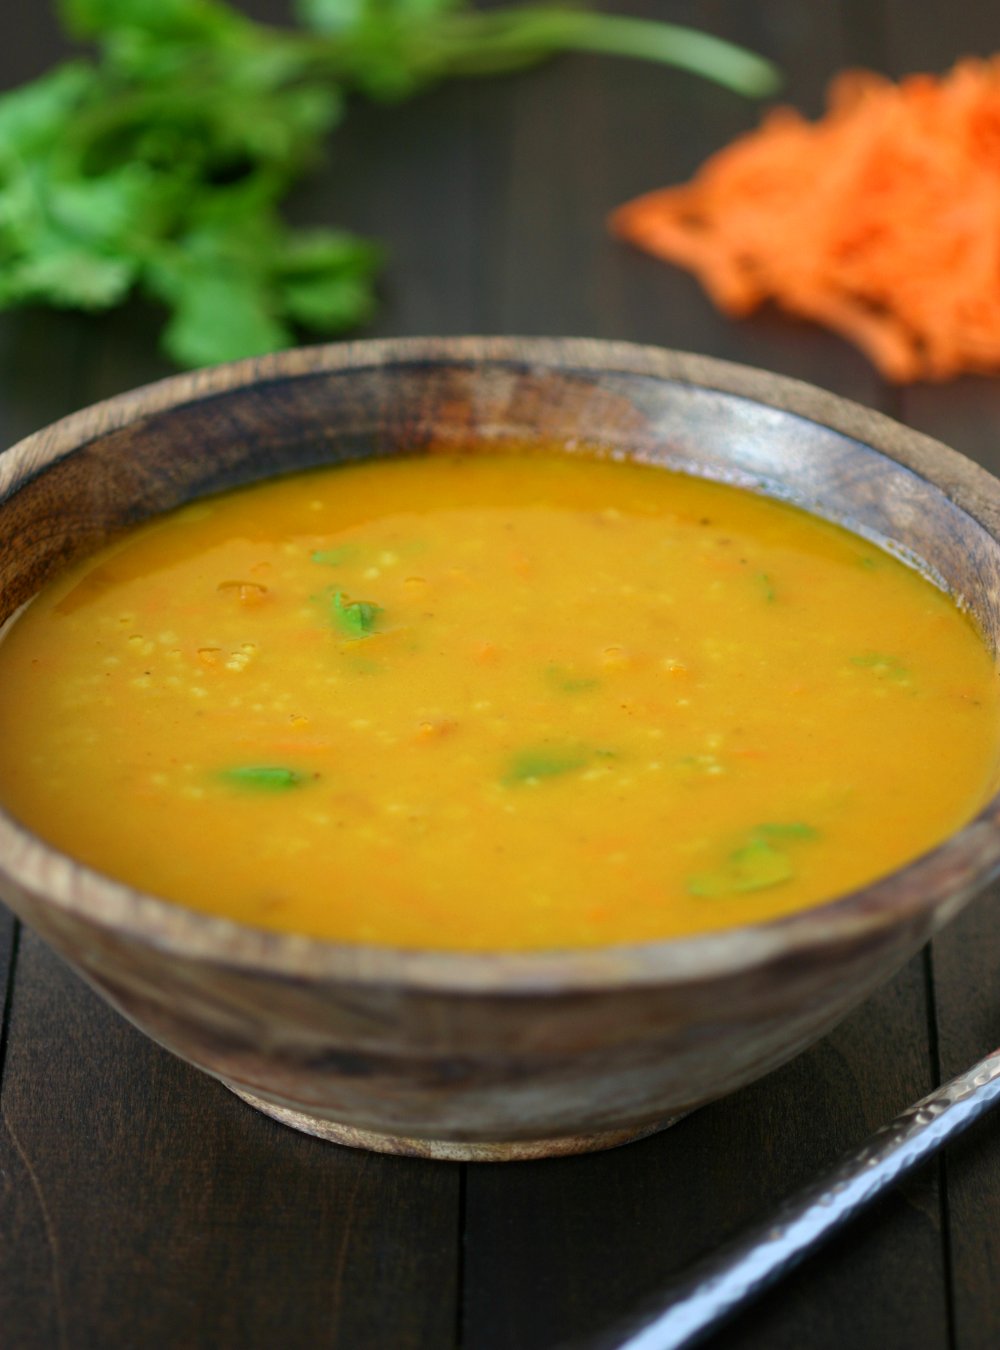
{"x":158,"y":165}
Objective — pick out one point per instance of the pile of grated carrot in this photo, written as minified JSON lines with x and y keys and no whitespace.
{"x":881,"y":220}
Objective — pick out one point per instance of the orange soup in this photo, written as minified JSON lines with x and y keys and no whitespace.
{"x":495,"y":702}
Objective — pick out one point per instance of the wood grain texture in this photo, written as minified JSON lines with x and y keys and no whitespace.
{"x":966,"y":964}
{"x":622,"y":1223}
{"x":657,"y":129}
{"x":966,"y":959}
{"x":144,"y":1205}
{"x":9,"y":936}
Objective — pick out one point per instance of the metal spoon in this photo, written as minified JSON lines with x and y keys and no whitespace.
{"x":716,"y":1287}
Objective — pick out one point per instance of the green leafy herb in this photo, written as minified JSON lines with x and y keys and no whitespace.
{"x":567,"y":682}
{"x":795,"y":829}
{"x":159,"y":165}
{"x":331,"y":557}
{"x":262,"y":777}
{"x":356,"y":618}
{"x":529,"y":766}
{"x":883,"y":666}
{"x":760,"y":862}
{"x":766,"y":587}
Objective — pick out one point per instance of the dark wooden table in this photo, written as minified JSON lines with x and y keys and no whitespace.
{"x":143,"y":1206}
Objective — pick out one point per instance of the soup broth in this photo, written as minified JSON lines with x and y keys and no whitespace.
{"x":495,"y":702}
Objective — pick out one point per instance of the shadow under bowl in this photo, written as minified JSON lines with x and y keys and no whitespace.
{"x":489,"y":1056}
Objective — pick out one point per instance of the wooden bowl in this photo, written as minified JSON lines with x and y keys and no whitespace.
{"x":505,"y":1055}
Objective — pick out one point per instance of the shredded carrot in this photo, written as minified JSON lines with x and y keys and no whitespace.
{"x":881,"y":220}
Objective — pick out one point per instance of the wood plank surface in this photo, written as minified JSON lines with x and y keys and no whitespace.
{"x":554,"y":1251}
{"x":966,"y":957}
{"x":144,"y":1205}
{"x":140,"y":1204}
{"x":659,"y":127}
{"x":966,"y":961}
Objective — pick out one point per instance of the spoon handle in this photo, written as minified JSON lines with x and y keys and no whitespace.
{"x":716,"y":1287}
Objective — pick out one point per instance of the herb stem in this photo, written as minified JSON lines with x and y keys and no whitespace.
{"x":476,"y":43}
{"x":699,"y":53}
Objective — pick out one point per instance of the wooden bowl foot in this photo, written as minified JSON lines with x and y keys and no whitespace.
{"x":449,"y":1150}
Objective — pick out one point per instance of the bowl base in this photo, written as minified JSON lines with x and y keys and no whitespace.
{"x":449,"y":1150}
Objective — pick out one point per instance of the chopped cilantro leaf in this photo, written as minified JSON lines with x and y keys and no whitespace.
{"x":759,"y":865}
{"x":567,"y":682}
{"x":766,"y":587}
{"x":330,"y":557}
{"x":262,"y":777}
{"x":883,"y":666}
{"x":356,"y":618}
{"x":530,"y":765}
{"x":763,"y":860}
{"x":795,"y":829}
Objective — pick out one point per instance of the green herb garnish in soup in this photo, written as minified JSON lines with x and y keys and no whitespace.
{"x":495,"y":702}
{"x":356,"y":618}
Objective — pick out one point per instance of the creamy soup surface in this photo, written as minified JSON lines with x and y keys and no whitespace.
{"x":495,"y":702}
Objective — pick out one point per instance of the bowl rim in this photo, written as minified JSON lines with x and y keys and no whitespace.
{"x":923,"y":894}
